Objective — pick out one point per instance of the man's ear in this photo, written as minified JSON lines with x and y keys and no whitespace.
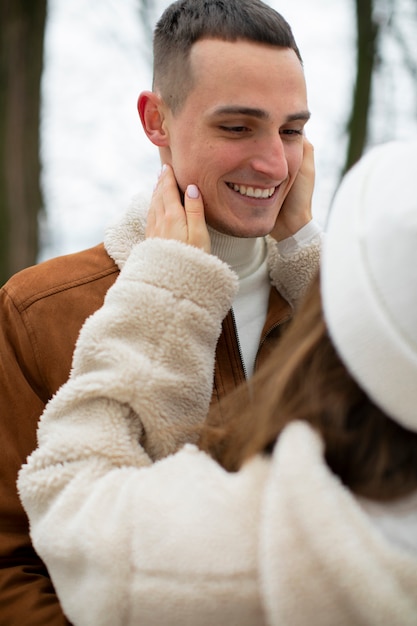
{"x":150,"y":109}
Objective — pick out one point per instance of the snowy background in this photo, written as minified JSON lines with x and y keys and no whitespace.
{"x":97,"y":60}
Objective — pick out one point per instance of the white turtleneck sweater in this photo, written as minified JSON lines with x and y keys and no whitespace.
{"x":247,"y":257}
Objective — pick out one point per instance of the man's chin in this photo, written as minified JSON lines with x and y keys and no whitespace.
{"x":247,"y":231}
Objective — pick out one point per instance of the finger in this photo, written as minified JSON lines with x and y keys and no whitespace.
{"x":307,"y":143}
{"x":297,"y":208}
{"x":174,"y":219}
{"x":173,"y":207}
{"x":307,"y":166}
{"x":168,"y":217}
{"x":197,"y":228}
{"x":155,"y":212}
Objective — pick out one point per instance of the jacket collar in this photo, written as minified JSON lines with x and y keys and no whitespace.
{"x":126,"y":231}
{"x":129,"y":230}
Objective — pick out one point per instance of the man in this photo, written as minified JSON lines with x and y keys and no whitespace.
{"x":227,"y":113}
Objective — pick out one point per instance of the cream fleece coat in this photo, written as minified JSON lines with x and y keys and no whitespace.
{"x":180,"y":541}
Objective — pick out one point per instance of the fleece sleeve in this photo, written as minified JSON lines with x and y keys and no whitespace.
{"x":105,"y":520}
{"x":295,"y":261}
{"x":142,"y":370}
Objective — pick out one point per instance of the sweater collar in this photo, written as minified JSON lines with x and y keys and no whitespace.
{"x":243,"y":255}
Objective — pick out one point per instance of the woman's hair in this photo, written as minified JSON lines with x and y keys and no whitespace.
{"x":304,"y":379}
{"x":185,"y":22}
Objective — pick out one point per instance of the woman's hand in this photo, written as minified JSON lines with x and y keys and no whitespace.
{"x":169,"y":219}
{"x":296,"y":210}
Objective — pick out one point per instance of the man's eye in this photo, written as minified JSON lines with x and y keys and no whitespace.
{"x":292,"y":131}
{"x":235,"y":129}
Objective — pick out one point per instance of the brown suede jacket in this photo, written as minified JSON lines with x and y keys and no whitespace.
{"x":42,"y":310}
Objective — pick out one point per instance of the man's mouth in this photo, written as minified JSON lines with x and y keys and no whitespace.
{"x":252,"y":192}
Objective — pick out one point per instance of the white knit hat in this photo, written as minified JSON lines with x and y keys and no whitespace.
{"x":369,"y":277}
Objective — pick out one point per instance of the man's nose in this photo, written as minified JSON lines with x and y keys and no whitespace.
{"x":270,"y":158}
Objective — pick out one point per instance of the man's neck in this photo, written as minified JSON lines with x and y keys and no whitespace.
{"x":244,"y":255}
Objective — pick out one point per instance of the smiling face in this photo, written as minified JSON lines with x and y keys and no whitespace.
{"x":239,"y":133}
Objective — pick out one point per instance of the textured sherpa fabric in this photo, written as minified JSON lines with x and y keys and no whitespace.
{"x":291,"y":263}
{"x":322,"y":562}
{"x":160,"y":323}
{"x":181,"y":542}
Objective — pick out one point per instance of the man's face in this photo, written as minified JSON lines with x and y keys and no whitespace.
{"x":239,"y":134}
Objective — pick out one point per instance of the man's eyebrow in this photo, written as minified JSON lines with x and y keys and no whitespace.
{"x":301,"y":115}
{"x":257,"y":113}
{"x":238,"y":110}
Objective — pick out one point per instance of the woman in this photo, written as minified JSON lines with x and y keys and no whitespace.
{"x":319,"y":523}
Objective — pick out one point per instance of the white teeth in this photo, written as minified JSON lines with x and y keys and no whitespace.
{"x":252,"y":192}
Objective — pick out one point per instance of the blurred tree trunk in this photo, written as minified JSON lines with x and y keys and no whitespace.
{"x":367,"y":35}
{"x":22,"y":26}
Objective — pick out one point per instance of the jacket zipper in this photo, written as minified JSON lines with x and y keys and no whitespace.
{"x":238,"y":344}
{"x":264,"y":338}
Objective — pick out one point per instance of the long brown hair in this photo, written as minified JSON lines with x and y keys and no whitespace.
{"x":304,"y":379}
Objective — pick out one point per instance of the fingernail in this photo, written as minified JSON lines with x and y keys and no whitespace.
{"x":192,"y":191}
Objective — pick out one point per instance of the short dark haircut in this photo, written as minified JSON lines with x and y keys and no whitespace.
{"x":186,"y":21}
